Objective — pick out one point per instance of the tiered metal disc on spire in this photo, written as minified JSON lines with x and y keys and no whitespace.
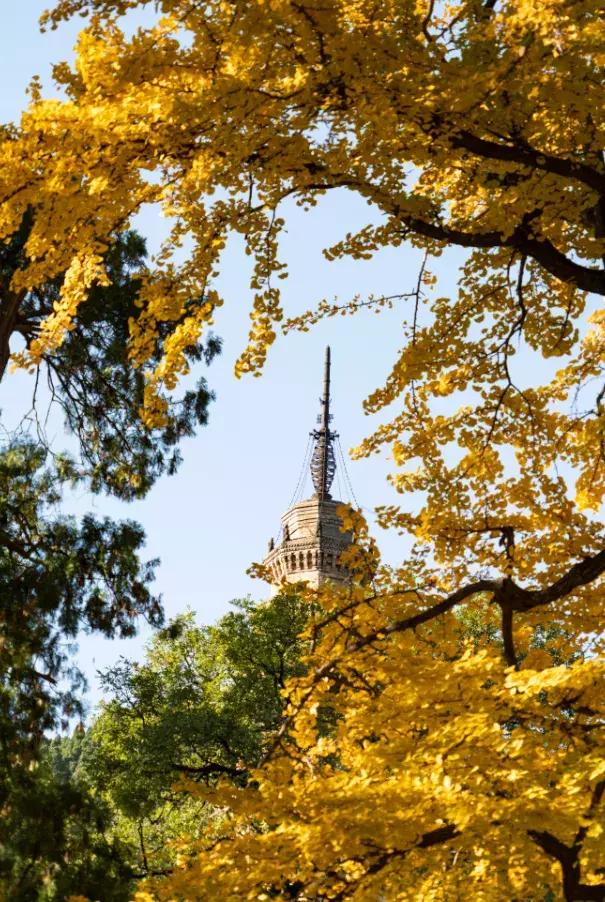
{"x":323,"y":459}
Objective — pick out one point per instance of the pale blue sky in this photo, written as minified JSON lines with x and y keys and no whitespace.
{"x":210,"y":521}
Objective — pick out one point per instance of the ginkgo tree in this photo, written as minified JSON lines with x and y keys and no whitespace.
{"x":449,"y":769}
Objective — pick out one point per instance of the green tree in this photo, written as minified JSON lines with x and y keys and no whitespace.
{"x":58,"y":575}
{"x":205,"y":703}
{"x":59,"y":836}
{"x":100,"y":809}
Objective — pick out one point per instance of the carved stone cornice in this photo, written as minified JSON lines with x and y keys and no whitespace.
{"x":312,"y":544}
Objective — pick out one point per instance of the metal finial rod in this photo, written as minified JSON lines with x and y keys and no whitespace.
{"x":323,"y":461}
{"x":325,"y":426}
{"x":326,"y":397}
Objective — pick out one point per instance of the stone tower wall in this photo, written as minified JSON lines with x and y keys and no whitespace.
{"x":311,"y":545}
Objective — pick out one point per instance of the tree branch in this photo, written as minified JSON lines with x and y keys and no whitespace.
{"x":538,"y":248}
{"x":506,"y":593}
{"x":209,"y":770}
{"x":432,"y":838}
{"x":579,"y":575}
{"x":526,"y":155}
{"x":573,"y":889}
{"x":507,"y":636}
{"x":541,"y":250}
{"x":9,"y":311}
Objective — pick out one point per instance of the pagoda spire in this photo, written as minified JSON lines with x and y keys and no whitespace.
{"x":313,"y":539}
{"x":323,"y":460}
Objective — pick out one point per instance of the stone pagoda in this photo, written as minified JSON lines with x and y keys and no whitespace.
{"x":311,"y":541}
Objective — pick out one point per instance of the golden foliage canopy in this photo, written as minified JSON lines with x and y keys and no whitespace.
{"x":455,"y":765}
